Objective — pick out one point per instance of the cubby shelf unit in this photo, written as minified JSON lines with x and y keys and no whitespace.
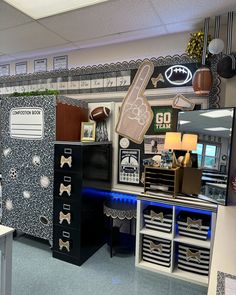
{"x":176,"y":205}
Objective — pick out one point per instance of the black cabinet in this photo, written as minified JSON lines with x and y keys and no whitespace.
{"x":80,"y":169}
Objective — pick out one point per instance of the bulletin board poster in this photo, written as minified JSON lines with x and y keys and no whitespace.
{"x":163,"y":119}
{"x":129,"y":166}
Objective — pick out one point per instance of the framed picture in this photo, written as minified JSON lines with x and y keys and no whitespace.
{"x":88,"y":131}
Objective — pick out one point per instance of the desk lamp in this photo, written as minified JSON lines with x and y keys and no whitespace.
{"x":173,"y":142}
{"x":189,"y":143}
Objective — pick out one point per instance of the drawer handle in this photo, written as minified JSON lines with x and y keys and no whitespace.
{"x":66,"y":189}
{"x":191,"y":222}
{"x":65,"y":234}
{"x":193,"y":256}
{"x":158,"y":216}
{"x":66,"y":207}
{"x":67,"y":179}
{"x":68,"y":151}
{"x":63,"y":217}
{"x":67,"y":161}
{"x":154,"y":246}
{"x":63,"y":244}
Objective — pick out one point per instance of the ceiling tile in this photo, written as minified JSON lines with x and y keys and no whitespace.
{"x":122,"y":37}
{"x":172,"y":11}
{"x":109,"y":18}
{"x":188,"y":26}
{"x":27,"y":37}
{"x":11,"y":17}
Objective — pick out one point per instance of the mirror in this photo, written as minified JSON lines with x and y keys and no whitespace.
{"x":214,"y":128}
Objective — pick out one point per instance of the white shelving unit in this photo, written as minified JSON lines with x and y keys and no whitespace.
{"x":175,"y":204}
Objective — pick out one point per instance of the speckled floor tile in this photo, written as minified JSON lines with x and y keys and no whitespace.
{"x":35,"y":272}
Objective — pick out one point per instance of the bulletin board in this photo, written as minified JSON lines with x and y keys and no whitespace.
{"x":131,"y":155}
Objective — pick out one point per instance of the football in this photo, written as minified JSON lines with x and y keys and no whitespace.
{"x":99,"y":114}
{"x":178,"y":75}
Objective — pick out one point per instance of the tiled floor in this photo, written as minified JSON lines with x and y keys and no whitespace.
{"x":35,"y":272}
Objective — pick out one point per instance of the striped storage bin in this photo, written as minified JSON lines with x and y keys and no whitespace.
{"x":193,"y":259}
{"x":156,"y":250}
{"x":158,"y":218}
{"x":194,"y":225}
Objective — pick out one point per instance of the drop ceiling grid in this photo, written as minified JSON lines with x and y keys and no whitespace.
{"x":104,"y":20}
{"x":121,"y":37}
{"x":28,"y":37}
{"x":174,"y":11}
{"x":11,"y":17}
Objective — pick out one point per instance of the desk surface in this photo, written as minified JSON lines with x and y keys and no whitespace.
{"x":224,"y":254}
{"x":5,"y":230}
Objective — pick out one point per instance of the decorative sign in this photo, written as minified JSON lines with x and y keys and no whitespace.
{"x":170,"y":76}
{"x":4,"y":70}
{"x":27,"y":123}
{"x":162,"y":119}
{"x":129,"y":166}
{"x":21,"y":68}
{"x":178,"y":75}
{"x":136,"y":114}
{"x":60,"y":62}
{"x":40,"y":65}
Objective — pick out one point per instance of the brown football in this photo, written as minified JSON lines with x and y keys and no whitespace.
{"x":99,"y":114}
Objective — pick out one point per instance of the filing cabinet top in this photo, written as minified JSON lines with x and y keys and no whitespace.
{"x":82,"y":143}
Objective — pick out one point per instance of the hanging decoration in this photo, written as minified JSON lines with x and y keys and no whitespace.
{"x":226,"y":66}
{"x":216,"y":45}
{"x":202,"y":79}
{"x":195,"y":45}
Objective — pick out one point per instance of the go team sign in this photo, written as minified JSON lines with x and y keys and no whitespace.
{"x":162,"y":119}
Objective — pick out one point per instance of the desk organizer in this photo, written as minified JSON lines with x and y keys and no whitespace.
{"x":158,"y":218}
{"x":156,"y":250}
{"x":193,"y":259}
{"x":193,"y":225}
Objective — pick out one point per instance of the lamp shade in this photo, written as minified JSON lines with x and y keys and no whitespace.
{"x":189,"y":142}
{"x":172,"y":141}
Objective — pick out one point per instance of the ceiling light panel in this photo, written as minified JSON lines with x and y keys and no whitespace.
{"x":45,"y":8}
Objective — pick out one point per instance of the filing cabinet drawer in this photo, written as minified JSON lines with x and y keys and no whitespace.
{"x":67,"y":185}
{"x":66,"y":241}
{"x":66,"y":213}
{"x":68,"y":157}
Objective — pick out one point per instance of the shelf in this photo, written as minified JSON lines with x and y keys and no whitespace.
{"x":154,"y":267}
{"x":193,"y":242}
{"x":151,"y":180}
{"x":155,"y":233}
{"x":190,"y":277}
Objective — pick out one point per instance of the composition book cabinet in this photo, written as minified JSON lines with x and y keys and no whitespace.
{"x":175,"y":236}
{"x":78,"y":220}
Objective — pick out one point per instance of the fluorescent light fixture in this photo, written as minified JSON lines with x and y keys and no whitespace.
{"x":218,"y":114}
{"x":182,"y":122}
{"x":217,"y":129}
{"x":43,"y":8}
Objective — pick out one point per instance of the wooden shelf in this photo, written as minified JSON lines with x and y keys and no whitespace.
{"x":193,"y":242}
{"x":155,"y":233}
{"x":170,"y":178}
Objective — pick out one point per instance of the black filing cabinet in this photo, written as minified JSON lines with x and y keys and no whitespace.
{"x":81,"y":171}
